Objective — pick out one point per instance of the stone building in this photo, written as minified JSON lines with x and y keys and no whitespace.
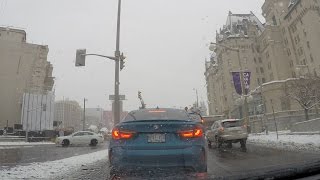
{"x":24,"y":69}
{"x":281,"y":49}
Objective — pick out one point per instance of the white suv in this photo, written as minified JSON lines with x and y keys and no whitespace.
{"x":227,"y":131}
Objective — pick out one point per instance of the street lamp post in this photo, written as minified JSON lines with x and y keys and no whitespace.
{"x":197,"y":96}
{"x":245,"y":111}
{"x":84,"y":114}
{"x":118,"y":58}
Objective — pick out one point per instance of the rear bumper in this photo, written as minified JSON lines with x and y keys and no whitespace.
{"x":227,"y":137}
{"x":193,"y":157}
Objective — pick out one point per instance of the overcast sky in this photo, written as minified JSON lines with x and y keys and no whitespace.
{"x":165,"y":42}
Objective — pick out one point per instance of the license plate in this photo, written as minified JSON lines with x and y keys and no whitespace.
{"x":156,"y":138}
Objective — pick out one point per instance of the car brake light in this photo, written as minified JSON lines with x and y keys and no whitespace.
{"x":117,"y":134}
{"x":191,"y":133}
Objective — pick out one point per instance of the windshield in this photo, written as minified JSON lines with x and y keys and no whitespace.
{"x":157,"y":114}
{"x":159,"y":89}
{"x":232,"y":123}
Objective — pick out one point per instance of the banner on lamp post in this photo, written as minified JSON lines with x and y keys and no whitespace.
{"x":237,"y":82}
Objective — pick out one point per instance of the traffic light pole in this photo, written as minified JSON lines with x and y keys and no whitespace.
{"x":117,"y":66}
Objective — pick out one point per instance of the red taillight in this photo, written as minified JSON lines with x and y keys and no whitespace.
{"x":191,"y":133}
{"x":117,"y":134}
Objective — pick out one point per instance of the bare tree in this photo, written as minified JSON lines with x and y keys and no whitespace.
{"x":305,"y":91}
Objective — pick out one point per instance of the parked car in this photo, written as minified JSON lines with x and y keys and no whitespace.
{"x":80,"y":137}
{"x":157,"y":138}
{"x":227,"y":131}
{"x":106,"y":133}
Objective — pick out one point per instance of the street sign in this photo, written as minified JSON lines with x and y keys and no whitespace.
{"x":121,"y":97}
{"x":80,"y":57}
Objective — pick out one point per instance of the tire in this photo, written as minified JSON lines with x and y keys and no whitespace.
{"x":209,"y":144}
{"x":93,"y":142}
{"x":65,"y":143}
{"x":229,"y":145}
{"x":113,"y":174}
{"x":243,"y":143}
{"x":218,"y":142}
{"x":201,"y":169}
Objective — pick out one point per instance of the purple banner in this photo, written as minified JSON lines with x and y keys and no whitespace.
{"x":237,"y":82}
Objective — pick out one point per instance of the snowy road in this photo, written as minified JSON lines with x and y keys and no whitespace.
{"x":92,"y":163}
{"x":227,"y":162}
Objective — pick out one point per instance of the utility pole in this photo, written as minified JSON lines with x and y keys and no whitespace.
{"x":275,"y":122}
{"x":197,"y":96}
{"x":84,"y":114}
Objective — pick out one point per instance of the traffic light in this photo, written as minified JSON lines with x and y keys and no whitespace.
{"x":80,"y":57}
{"x":122,"y":57}
{"x":121,"y":64}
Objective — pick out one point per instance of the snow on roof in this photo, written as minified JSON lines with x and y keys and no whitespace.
{"x":274,"y":82}
{"x":237,"y":25}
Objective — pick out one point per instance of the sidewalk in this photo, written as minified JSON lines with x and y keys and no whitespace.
{"x":15,"y":144}
{"x":305,"y":141}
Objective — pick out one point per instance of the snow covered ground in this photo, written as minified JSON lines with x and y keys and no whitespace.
{"x":51,"y":169}
{"x":23,"y":143}
{"x":287,"y":141}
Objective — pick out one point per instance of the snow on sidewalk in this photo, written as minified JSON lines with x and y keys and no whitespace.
{"x":51,"y":169}
{"x":309,"y":143}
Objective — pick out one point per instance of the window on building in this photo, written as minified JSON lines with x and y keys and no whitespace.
{"x":311,"y":58}
{"x":269,"y":65}
{"x":263,"y":80}
{"x":294,"y":74}
{"x":286,"y":41}
{"x":304,"y":32}
{"x":229,"y":62}
{"x":258,"y":81}
{"x":284,"y":104}
{"x":291,"y":63}
{"x":288,"y":51}
{"x":283,"y":30}
{"x":304,"y":62}
{"x":271,"y":77}
{"x":261,"y":70}
{"x":274,"y":20}
{"x":255,"y":60}
{"x":308,"y":44}
{"x":225,"y":99}
{"x":298,"y":38}
{"x":257,"y":70}
{"x":267,"y":55}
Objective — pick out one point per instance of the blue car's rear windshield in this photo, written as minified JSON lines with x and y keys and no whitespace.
{"x":158,"y":114}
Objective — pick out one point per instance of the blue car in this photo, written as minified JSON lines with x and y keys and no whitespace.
{"x":157,"y":138}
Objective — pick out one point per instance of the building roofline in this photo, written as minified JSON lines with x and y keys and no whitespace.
{"x":292,"y":8}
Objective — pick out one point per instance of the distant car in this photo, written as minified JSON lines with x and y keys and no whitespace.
{"x":227,"y":131}
{"x":157,"y":138}
{"x":81,"y":137}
